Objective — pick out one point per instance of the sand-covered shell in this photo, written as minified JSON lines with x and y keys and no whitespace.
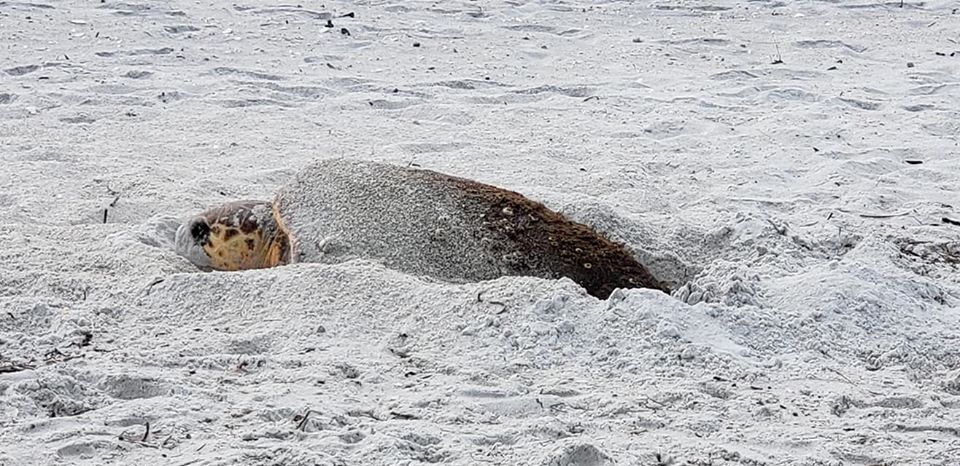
{"x":427,"y":223}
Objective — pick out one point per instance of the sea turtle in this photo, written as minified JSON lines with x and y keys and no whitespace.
{"x":413,"y":220}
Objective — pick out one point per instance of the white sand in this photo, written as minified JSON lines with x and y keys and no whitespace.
{"x":819,"y":323}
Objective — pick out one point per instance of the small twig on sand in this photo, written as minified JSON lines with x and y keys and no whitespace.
{"x":779,"y":228}
{"x":779,"y":60}
{"x":303,"y":422}
{"x":14,"y":368}
{"x":847,"y":379}
{"x":403,"y":416}
{"x":503,"y":305}
{"x":655,"y":401}
{"x":950,"y":221}
{"x":841,"y":375}
{"x":146,"y":433}
{"x":901,"y":214}
{"x":55,"y":355}
{"x":302,"y":425}
{"x":154,"y":283}
{"x":112,"y":204}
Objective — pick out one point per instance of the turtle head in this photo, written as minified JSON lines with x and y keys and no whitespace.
{"x":191,"y":236}
{"x":239,"y":235}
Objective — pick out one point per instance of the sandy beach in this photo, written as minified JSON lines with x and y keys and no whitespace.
{"x":791,"y":168}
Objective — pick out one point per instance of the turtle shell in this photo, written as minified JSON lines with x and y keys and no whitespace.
{"x":427,"y":223}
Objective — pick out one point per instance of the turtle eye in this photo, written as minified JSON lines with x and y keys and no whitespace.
{"x":200,"y":231}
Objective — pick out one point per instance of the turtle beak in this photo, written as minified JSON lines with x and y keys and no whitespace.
{"x":189,"y":241}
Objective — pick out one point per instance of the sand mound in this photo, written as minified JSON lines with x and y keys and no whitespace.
{"x":791,"y":165}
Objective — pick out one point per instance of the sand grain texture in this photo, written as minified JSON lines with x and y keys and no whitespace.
{"x":789,"y":164}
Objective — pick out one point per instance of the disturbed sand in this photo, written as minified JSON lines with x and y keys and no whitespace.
{"x":794,"y":166}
